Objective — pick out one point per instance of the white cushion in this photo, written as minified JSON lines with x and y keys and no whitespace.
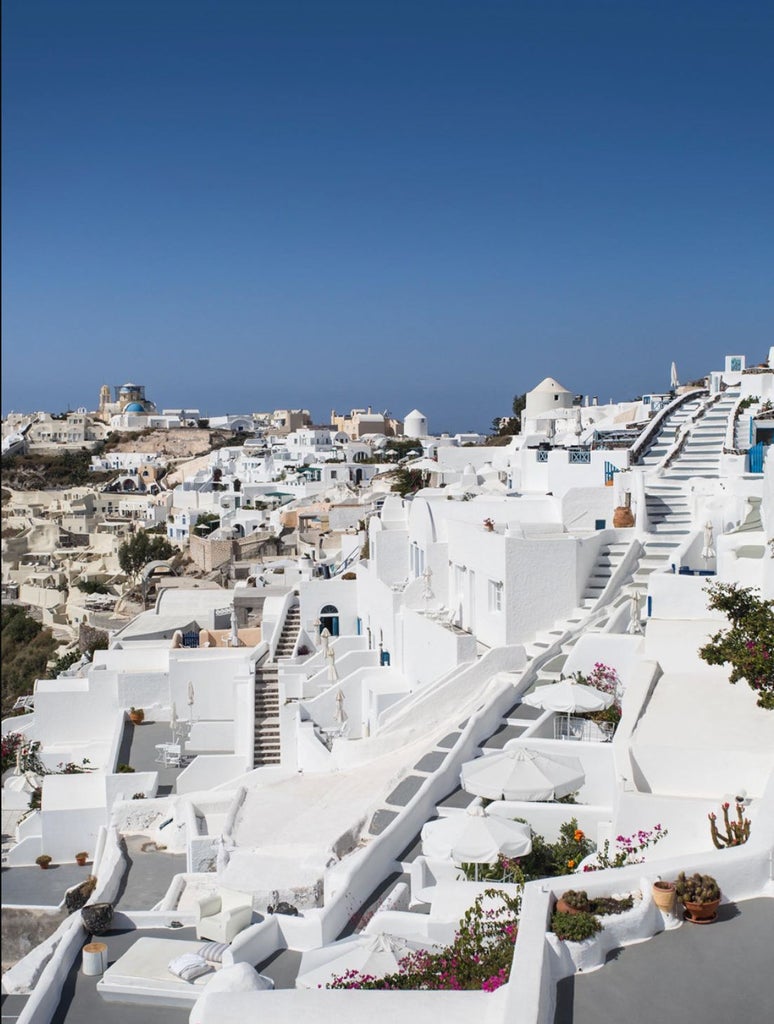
{"x":239,"y":978}
{"x":213,"y":951}
{"x":189,"y":966}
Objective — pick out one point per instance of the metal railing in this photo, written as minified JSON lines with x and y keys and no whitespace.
{"x":573,"y":727}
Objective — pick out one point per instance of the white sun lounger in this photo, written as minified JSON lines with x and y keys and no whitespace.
{"x":142,"y":975}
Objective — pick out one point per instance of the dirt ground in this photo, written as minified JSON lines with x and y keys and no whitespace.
{"x":178,"y":444}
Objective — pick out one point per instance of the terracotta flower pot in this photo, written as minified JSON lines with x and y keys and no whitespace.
{"x":565,"y":908}
{"x":136,"y":717}
{"x":623,"y":516}
{"x":664,"y":896}
{"x":80,"y":861}
{"x":701,"y":913}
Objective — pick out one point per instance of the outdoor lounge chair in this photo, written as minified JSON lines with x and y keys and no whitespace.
{"x":222,"y":916}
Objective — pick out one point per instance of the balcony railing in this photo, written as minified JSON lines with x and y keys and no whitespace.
{"x":573,"y":727}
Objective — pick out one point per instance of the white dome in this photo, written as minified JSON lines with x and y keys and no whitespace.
{"x":549,"y":384}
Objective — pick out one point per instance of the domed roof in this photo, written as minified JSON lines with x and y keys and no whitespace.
{"x":549,"y":384}
{"x":134,"y":407}
{"x":129,"y":387}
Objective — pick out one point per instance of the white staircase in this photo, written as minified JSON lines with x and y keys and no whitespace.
{"x":608,"y":560}
{"x":290,"y":629}
{"x":702,"y":451}
{"x":667,"y":436}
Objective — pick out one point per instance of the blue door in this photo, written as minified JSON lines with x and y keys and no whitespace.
{"x":756,"y":458}
{"x":329,"y":619}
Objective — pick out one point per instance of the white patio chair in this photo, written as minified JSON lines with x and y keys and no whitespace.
{"x":222,"y":916}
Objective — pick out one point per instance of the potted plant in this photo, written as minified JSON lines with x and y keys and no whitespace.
{"x":81,"y":858}
{"x":664,"y":896}
{"x":573,"y":902}
{"x":489,"y":525}
{"x":700,"y":895}
{"x":43,"y":861}
{"x":136,"y":715}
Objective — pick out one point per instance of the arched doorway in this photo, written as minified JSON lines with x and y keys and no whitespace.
{"x":329,"y":619}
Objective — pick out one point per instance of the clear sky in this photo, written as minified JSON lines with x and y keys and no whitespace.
{"x":252,"y":204}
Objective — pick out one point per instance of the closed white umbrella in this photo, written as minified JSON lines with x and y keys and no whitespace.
{"x":708,"y":551}
{"x":475,"y":837}
{"x":635,"y":625}
{"x":333,"y":675}
{"x":522,"y":774}
{"x":190,"y":701}
{"x":325,"y":637}
{"x":673,"y":381}
{"x":341,"y":714}
{"x":376,"y":955}
{"x":173,"y":719}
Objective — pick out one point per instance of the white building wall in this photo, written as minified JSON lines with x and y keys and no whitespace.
{"x":341,"y":594}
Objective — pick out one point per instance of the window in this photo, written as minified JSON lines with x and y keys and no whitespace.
{"x":495,"y":596}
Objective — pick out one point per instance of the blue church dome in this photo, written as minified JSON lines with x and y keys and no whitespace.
{"x":134,"y":407}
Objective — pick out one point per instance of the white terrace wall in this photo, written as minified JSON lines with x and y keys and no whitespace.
{"x":432,"y":649}
{"x":73,"y":712}
{"x":550,"y":568}
{"x":583,"y":506}
{"x":76,"y":807}
{"x":388,"y":551}
{"x":213,"y":675}
{"x":557,"y":474}
{"x":378,"y":605}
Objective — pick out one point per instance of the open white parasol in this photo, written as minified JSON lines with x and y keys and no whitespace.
{"x":475,"y":837}
{"x":376,"y":955}
{"x":569,"y":697}
{"x":522,"y":774}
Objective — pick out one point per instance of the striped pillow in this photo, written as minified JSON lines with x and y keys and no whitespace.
{"x":213,"y":951}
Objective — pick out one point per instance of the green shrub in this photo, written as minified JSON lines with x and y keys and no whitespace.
{"x":575,"y":927}
{"x":748,"y":646}
{"x":604,"y":905}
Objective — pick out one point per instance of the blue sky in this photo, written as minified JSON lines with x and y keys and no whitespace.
{"x":250,"y":205}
